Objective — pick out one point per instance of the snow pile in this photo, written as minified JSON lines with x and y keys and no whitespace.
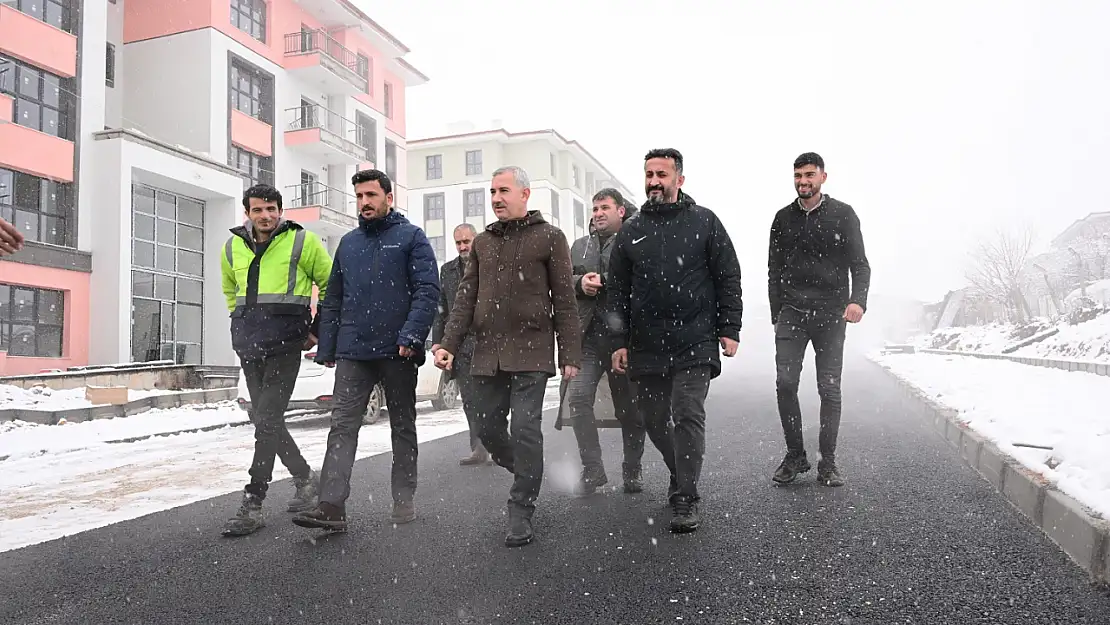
{"x":1010,"y":403}
{"x":47,"y":399}
{"x":27,"y":440}
{"x":1087,"y":340}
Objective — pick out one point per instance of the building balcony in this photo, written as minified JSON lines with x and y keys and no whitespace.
{"x":39,"y":154}
{"x":317,"y":58}
{"x":325,"y":135}
{"x":38,"y":43}
{"x":325,"y":210}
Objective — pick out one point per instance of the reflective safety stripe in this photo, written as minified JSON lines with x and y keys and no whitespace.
{"x":294,"y":262}
{"x":276,"y":298}
{"x":230,"y":253}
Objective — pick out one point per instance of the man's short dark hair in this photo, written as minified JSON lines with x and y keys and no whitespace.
{"x":670,"y":153}
{"x":369,"y":175}
{"x":810,"y":158}
{"x":611,"y":194}
{"x":265,"y":192}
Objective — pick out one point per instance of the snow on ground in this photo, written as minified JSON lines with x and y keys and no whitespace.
{"x":43,"y":398}
{"x":54,"y":495}
{"x":1085,"y":341}
{"x":1089,"y":340}
{"x":19,"y":439}
{"x":1012,"y":403}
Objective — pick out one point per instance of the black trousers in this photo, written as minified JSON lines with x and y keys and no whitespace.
{"x":794,"y":330}
{"x":516,"y":443}
{"x":467,"y":391}
{"x":270,"y":382}
{"x":354,"y":381}
{"x":673,"y":408}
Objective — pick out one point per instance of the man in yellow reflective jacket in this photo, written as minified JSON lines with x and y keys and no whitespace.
{"x":269,"y":266}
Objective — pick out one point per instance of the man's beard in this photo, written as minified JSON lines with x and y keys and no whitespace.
{"x":657,"y":199}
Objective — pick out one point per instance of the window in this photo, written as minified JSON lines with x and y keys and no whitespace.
{"x":474,"y":207}
{"x":255,"y":168}
{"x":574,"y":177}
{"x":579,"y":214}
{"x":167,"y":276}
{"x":362,"y":67}
{"x":31,"y":321}
{"x":434,"y":207}
{"x":43,"y":101}
{"x":308,"y":190}
{"x":42,"y":209}
{"x":249,"y":16}
{"x":389,"y":100}
{"x":590,"y":182}
{"x":367,"y":135}
{"x":554,"y":204}
{"x":110,"y":66}
{"x":251,"y":92}
{"x":554,"y":166}
{"x":439,"y":246}
{"x":391,"y":160}
{"x":54,"y":12}
{"x":473,"y":162}
{"x":434,"y":166}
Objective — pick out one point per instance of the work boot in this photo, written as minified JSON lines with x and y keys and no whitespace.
{"x":593,"y":477}
{"x":633,"y":483}
{"x":672,"y":488}
{"x":828,"y":474}
{"x":686,"y":518}
{"x":403,"y":512}
{"x":305,"y":497}
{"x":248,"y":519}
{"x":520,"y":527}
{"x":324,"y":516}
{"x":793,"y":465}
{"x":477,"y":457}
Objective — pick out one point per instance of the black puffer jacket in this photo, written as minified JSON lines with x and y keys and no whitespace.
{"x":674,"y":288}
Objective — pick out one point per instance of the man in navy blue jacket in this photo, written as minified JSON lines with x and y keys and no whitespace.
{"x":380,"y":305}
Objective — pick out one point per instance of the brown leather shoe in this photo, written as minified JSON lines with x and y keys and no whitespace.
{"x":323,"y":516}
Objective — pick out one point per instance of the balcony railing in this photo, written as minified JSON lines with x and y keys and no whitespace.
{"x":309,"y":41}
{"x":318,"y":194}
{"x":334,"y":128}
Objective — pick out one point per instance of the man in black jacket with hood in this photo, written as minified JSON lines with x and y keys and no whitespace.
{"x":675,"y":298}
{"x":815,"y":243}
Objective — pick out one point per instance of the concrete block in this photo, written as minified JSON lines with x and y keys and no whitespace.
{"x":42,"y":417}
{"x":1071,"y":527}
{"x":6,"y":415}
{"x":1025,"y":492}
{"x":992,"y":464}
{"x":953,"y":433}
{"x":1101,"y":369}
{"x":77,"y":415}
{"x":1104,"y":572}
{"x":165,"y":401}
{"x":970,"y":444}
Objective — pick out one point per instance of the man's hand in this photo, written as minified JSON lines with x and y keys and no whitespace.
{"x":310,"y":342}
{"x":591,"y":283}
{"x":434,"y":349}
{"x":11,"y":239}
{"x":444,"y":359}
{"x":404,"y":351}
{"x":330,"y":364}
{"x":853,"y":313}
{"x":729,"y":346}
{"x":570,"y":371}
{"x":620,"y":360}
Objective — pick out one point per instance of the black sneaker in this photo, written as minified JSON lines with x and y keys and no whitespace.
{"x":633,"y":480}
{"x":686,"y":518}
{"x":828,"y":474}
{"x":792,"y":466}
{"x":592,"y":479}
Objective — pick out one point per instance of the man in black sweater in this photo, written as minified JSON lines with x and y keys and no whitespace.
{"x":675,"y":304}
{"x":815,"y":244}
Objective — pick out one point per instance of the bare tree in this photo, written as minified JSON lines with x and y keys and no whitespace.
{"x":998,"y":271}
{"x":1093,"y":246}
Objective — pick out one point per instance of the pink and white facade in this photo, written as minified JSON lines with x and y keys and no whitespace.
{"x":128,"y":131}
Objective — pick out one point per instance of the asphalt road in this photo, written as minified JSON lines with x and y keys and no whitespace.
{"x":915,"y":537}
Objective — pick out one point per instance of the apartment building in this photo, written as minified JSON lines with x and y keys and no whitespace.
{"x":128,"y":131}
{"x":451,"y":176}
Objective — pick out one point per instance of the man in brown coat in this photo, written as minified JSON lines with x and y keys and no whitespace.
{"x":516,"y":295}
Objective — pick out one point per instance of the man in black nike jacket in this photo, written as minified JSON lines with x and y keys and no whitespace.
{"x":675,"y":299}
{"x":815,"y":244}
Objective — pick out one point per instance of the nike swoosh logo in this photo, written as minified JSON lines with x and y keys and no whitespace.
{"x":635,"y":241}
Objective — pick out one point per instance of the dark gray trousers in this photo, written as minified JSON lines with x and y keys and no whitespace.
{"x":270,"y":382}
{"x":354,"y":381}
{"x":582,"y":392}
{"x":794,"y":330}
{"x":673,"y":406}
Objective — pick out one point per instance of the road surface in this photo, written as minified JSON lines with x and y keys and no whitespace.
{"x":915,"y":537}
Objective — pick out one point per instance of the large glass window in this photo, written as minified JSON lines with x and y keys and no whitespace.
{"x":53,"y":12}
{"x":167,"y":276}
{"x":42,"y":209}
{"x":249,"y":16}
{"x":474,"y":207}
{"x":43,"y":101}
{"x":31,"y":321}
{"x":255,"y":168}
{"x":251,"y":92}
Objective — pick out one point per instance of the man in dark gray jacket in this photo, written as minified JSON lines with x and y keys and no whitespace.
{"x":590,"y":256}
{"x":450,"y":275}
